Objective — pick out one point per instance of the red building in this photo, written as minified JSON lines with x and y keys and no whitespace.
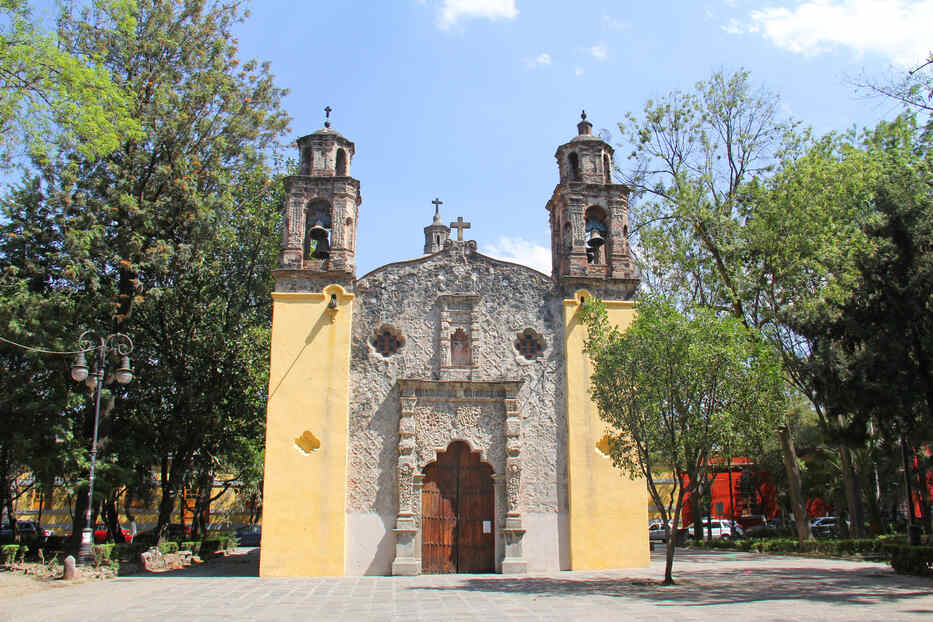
{"x":752,"y":499}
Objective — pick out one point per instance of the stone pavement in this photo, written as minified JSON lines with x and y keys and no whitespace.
{"x":711,"y":586}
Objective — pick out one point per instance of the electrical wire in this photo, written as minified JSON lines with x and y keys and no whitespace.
{"x":43,"y":351}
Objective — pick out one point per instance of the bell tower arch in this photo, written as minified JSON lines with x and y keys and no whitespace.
{"x":589,"y":217}
{"x":321,"y":206}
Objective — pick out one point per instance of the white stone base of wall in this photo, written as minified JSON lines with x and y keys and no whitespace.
{"x":370,"y":546}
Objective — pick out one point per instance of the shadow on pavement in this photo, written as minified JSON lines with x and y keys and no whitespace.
{"x":706,"y":585}
{"x":243,"y":562}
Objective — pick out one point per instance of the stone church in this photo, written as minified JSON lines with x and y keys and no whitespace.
{"x":433,"y":415}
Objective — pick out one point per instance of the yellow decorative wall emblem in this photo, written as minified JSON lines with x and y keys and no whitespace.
{"x":307,"y":442}
{"x":604,"y":445}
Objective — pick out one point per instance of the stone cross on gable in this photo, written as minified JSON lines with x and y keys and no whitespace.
{"x":460,"y":225}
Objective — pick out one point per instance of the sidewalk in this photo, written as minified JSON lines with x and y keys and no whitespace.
{"x":711,"y":586}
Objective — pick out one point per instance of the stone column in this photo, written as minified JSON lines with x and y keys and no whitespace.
{"x":513,"y":533}
{"x":498,"y":482}
{"x":407,"y":552}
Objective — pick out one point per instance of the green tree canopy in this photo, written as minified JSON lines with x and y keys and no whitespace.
{"x":678,"y":389}
{"x":55,"y":93}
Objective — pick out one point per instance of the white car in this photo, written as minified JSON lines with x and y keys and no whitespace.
{"x":722,"y":529}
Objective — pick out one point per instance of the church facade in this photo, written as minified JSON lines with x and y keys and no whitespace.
{"x":433,"y":415}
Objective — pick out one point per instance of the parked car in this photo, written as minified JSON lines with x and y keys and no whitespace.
{"x":250,"y":535}
{"x":719,"y":528}
{"x":657,"y":532}
{"x":102,"y":534}
{"x":173,"y":531}
{"x":826,"y":527}
{"x":29,"y":532}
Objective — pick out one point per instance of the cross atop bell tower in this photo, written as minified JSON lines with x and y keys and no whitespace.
{"x":436,"y":234}
{"x":589,"y":217}
{"x":321,"y":206}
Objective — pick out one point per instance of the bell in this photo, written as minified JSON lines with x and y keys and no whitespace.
{"x":595,"y":240}
{"x":321,"y":244}
{"x":318,"y":232}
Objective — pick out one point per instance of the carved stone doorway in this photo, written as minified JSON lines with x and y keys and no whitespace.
{"x":457,"y":513}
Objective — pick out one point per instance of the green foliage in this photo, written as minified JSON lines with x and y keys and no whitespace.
{"x":103,"y":554}
{"x":915,"y":560}
{"x":190,"y":545}
{"x":872,"y":352}
{"x":866,"y":547}
{"x":676,"y":389}
{"x":168,"y":547}
{"x":53,"y":94}
{"x":171,"y":239}
{"x":217,"y":543}
{"x":128,"y":552}
{"x":9,"y":553}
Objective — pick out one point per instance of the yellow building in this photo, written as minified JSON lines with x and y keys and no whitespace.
{"x":434,"y":414}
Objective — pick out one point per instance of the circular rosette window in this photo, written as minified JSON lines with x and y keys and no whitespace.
{"x":529,"y":344}
{"x":387,"y":341}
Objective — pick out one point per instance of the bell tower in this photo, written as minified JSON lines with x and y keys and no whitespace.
{"x":321,"y":206}
{"x":589,"y":218}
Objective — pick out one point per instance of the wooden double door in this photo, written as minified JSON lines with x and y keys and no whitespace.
{"x":457,"y":513}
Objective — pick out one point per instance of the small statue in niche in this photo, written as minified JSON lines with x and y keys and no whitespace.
{"x":460,"y":355}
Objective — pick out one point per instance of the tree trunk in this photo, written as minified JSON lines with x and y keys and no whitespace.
{"x":672,"y":540}
{"x":851,"y":492}
{"x":77,"y":520}
{"x":793,"y":483}
{"x":912,"y":533}
{"x":731,"y":497}
{"x":924,"y":493}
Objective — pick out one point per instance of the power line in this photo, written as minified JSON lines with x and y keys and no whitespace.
{"x":42,"y":351}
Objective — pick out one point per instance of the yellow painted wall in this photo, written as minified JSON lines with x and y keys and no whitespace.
{"x":303,"y":520}
{"x":608,"y":511}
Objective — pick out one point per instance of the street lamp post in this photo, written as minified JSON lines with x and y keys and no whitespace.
{"x":116,"y":344}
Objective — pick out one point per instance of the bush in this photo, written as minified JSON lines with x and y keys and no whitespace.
{"x":168,"y":547}
{"x":221,"y":542}
{"x":9,"y":553}
{"x":190,"y":545}
{"x":128,"y":552}
{"x":102,"y":553}
{"x":865,"y":546}
{"x":915,"y":560}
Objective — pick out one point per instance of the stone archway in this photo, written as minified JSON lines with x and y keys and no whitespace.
{"x":457,"y":513}
{"x":434,"y":417}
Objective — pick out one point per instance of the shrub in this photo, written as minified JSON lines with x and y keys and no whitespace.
{"x":905,"y":559}
{"x":8,"y":553}
{"x":102,"y":553}
{"x":168,"y":547}
{"x":190,"y":545}
{"x":128,"y":552}
{"x":220,"y":542}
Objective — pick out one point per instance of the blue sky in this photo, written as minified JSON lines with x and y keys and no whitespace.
{"x":467,"y":100}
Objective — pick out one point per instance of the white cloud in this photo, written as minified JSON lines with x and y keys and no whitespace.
{"x":541,"y":59}
{"x":578,"y":71}
{"x":617,"y":25}
{"x":519,"y":250}
{"x":454,"y":10}
{"x":898,"y":29}
{"x":599,"y":51}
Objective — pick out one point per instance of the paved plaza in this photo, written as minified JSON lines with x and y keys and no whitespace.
{"x":711,"y":586}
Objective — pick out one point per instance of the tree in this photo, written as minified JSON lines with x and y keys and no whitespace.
{"x":746,"y":214}
{"x":172,"y":239}
{"x":677,"y":389}
{"x":872,"y":352}
{"x":52,"y":93}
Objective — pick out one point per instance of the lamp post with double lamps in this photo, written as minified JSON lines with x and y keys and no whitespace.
{"x":101,"y":349}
